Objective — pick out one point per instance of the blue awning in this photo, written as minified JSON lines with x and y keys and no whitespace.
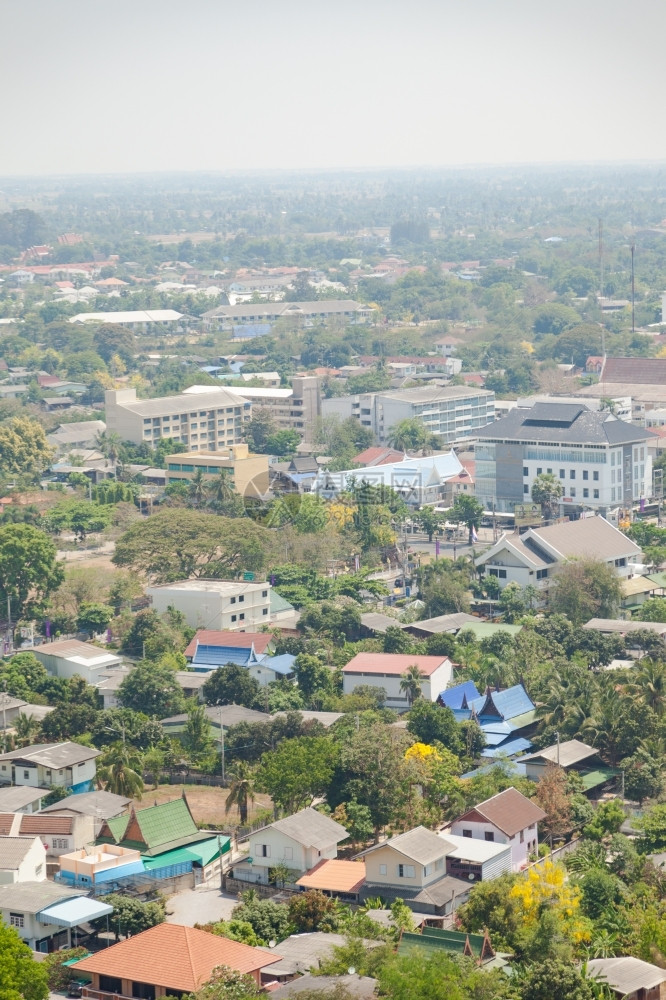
{"x":73,"y":912}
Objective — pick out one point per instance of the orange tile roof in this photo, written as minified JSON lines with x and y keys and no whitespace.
{"x":335,"y":875}
{"x":393,"y":664}
{"x":47,"y":824}
{"x":175,"y":957}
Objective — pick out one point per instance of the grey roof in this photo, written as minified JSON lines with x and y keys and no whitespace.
{"x":376,"y":622}
{"x":430,"y":393}
{"x":13,"y":850}
{"x":7,"y":703}
{"x":621,"y":626}
{"x":361,"y":987}
{"x":183,"y":403}
{"x":626,"y":975}
{"x":419,"y":844}
{"x":16,"y":797}
{"x":385,"y":917}
{"x":301,"y":951}
{"x":53,"y":755}
{"x":270,"y":310}
{"x":327,"y":719}
{"x":568,"y":753}
{"x":590,"y":536}
{"x":442,"y":623}
{"x":31,"y":897}
{"x":229,"y":715}
{"x":101,"y":805}
{"x":563,"y":423}
{"x":311,"y":829}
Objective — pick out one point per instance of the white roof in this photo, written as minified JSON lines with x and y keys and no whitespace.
{"x":407,"y":475}
{"x":625,"y":974}
{"x":471,"y":849}
{"x":210,"y":586}
{"x":131,"y":316}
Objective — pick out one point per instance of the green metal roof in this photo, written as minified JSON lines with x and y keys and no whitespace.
{"x":592,"y":779}
{"x":659,"y":579}
{"x":165,"y":823}
{"x":484,"y":630}
{"x":117,"y":825}
{"x":201,"y":853}
{"x":278,"y":603}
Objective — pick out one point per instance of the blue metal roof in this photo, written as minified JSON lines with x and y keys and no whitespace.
{"x":461,"y":714}
{"x":453,"y":697}
{"x":511,"y":766}
{"x":510,"y":748}
{"x":505,"y":704}
{"x":111,"y":874}
{"x":218,"y":656}
{"x":283,"y":664}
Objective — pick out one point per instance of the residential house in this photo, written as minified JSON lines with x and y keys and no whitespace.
{"x":571,"y":755}
{"x":335,"y":877}
{"x":624,"y":627}
{"x":21,"y":798}
{"x":629,"y":978}
{"x":67,"y":658}
{"x":454,"y":413}
{"x":387,"y":671}
{"x":220,"y":717}
{"x":262,"y":643}
{"x":475,"y":860}
{"x":299,"y":841}
{"x":9,"y":709}
{"x":507,"y":718}
{"x":58,"y":833}
{"x":419,"y":481}
{"x":600,"y":461}
{"x":355,"y":986}
{"x":452,"y":624}
{"x":531,"y":559}
{"x":100,"y":805}
{"x":245,"y":473}
{"x":505,"y":818}
{"x":435,"y":940}
{"x":412,"y":867}
{"x":22,"y":859}
{"x":643,"y":379}
{"x":221,"y":604}
{"x":301,"y":952}
{"x":69,"y":765}
{"x":218,"y":651}
{"x":44,"y":913}
{"x":167,"y":960}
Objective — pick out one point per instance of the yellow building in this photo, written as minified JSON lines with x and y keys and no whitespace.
{"x":248,"y":473}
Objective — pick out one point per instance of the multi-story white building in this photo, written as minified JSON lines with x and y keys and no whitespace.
{"x":204,"y":421}
{"x":453,"y":412}
{"x":216,"y":604}
{"x":602,"y":462}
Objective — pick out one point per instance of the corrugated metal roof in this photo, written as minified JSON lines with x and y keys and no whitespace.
{"x":219,"y":656}
{"x":453,"y":697}
{"x":507,"y":749}
{"x":625,"y":974}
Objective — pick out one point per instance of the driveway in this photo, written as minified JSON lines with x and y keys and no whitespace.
{"x":203,"y":905}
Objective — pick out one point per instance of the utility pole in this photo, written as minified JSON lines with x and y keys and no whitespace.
{"x":222,"y":746}
{"x":633,"y":290}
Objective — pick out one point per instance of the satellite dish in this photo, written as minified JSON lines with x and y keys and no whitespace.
{"x":272,"y":943}
{"x":351,"y":970}
{"x":471,"y":876}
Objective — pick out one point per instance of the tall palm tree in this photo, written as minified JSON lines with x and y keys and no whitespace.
{"x":109,"y":443}
{"x":241,"y":790}
{"x":121,"y":771}
{"x":410,"y":683}
{"x":220,"y":489}
{"x":26,"y":728}
{"x":649,"y":683}
{"x":197,"y":487}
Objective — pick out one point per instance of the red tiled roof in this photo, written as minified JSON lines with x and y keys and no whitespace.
{"x":392,"y":663}
{"x":635,"y":371}
{"x":6,"y":821}
{"x":243,"y":640}
{"x":50,"y":823}
{"x":377,"y":455}
{"x":176,"y":957}
{"x":335,"y":875}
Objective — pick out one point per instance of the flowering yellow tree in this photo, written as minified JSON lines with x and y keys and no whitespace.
{"x":421,"y":752}
{"x":340,"y":514}
{"x":546,"y":885}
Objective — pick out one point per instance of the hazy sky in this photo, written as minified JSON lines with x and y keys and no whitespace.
{"x":143,"y":85}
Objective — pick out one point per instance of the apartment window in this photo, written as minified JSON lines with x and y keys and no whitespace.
{"x":17,"y":920}
{"x":232,"y":601}
{"x":60,"y":842}
{"x":562,"y":474}
{"x":265,"y":611}
{"x":406,"y":871}
{"x":439,"y":864}
{"x":263,"y":850}
{"x":526,"y":471}
{"x":233,"y":618}
{"x":586,"y":474}
{"x":542,"y":574}
{"x":526,"y":488}
{"x":241,"y":598}
{"x":467,"y":833}
{"x":489,"y":836}
{"x":595,"y":476}
{"x":264,"y":593}
{"x":539,"y":471}
{"x":242,"y":617}
{"x":572,"y":473}
{"x":572,"y":491}
{"x":289,"y":854}
{"x":522,"y":836}
{"x":612,"y":495}
{"x":382,"y":870}
{"x":595,"y":494}
{"x":586,"y":493}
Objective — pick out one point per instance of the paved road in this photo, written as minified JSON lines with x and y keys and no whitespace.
{"x":200,"y":906}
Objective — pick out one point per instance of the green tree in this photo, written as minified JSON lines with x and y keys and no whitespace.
{"x":21,"y":978}
{"x":24,"y":450}
{"x":232,"y":685}
{"x":653,"y":610}
{"x":512,"y":602}
{"x":112,"y":338}
{"x":197,"y":735}
{"x":284,"y":442}
{"x":94,"y":617}
{"x":313,"y":676}
{"x":269,"y":920}
{"x":608,"y":818}
{"x":412,"y":435}
{"x":131,"y":916}
{"x":181,"y":544}
{"x":82,"y":517}
{"x":119,"y":770}
{"x":431,"y":723}
{"x":228,"y":984}
{"x":297,"y":771}
{"x":429,"y":521}
{"x":259,"y":429}
{"x":438,"y":976}
{"x":468,"y":511}
{"x":643,"y":776}
{"x":555,"y":980}
{"x":29,"y":572}
{"x":152,"y":688}
{"x":547,"y":490}
{"x":241,"y":790}
{"x":585,"y":588}
{"x":313,"y":911}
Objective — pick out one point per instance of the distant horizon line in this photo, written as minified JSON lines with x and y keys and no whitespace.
{"x":351,"y":170}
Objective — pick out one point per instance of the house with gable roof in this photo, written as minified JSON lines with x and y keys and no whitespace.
{"x":437,"y":940}
{"x":299,"y":841}
{"x":386,"y":670}
{"x":506,"y":818}
{"x":210,"y":649}
{"x":506,"y":717}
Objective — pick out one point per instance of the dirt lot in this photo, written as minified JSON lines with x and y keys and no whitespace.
{"x":205,"y":801}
